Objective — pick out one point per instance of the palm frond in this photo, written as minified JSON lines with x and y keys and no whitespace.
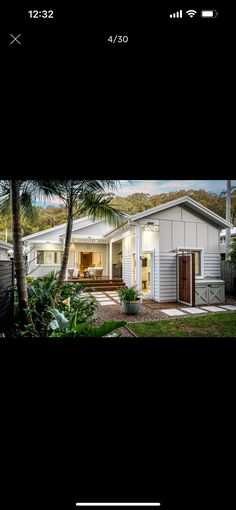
{"x":97,"y":206}
{"x":5,"y":197}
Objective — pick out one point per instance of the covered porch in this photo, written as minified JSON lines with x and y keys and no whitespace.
{"x":94,"y":258}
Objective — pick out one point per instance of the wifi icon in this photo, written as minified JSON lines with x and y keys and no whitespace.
{"x":191,"y":13}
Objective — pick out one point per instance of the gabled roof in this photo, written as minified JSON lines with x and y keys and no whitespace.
{"x":77,"y":224}
{"x":76,"y":227}
{"x":7,"y":246}
{"x":185,"y":200}
{"x":204,"y":211}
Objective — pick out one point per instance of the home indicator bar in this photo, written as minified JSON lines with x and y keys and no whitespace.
{"x":119,"y":504}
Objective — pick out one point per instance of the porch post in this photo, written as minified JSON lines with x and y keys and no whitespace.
{"x":64,"y":242}
{"x":110,"y":259}
{"x":138,"y":251}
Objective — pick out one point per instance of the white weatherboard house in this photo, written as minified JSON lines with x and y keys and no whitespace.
{"x":148,"y":248}
{"x":6,"y":250}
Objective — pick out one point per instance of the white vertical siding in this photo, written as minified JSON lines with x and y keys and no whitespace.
{"x":177,"y":234}
{"x":190,"y":234}
{"x":213,"y":239}
{"x":202,"y":235}
{"x":165,"y":235}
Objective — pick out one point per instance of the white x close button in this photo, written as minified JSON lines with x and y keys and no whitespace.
{"x":15,"y":39}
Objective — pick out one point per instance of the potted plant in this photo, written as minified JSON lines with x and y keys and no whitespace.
{"x":131,"y":300}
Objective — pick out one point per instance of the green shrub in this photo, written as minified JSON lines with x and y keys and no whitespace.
{"x":129,"y":294}
{"x":45,"y":294}
{"x":63,"y":327}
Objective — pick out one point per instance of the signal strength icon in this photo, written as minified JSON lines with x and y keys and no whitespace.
{"x":178,"y":14}
{"x":191,"y":13}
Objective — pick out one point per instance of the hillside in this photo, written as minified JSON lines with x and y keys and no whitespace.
{"x":138,"y":202}
{"x":51,"y":216}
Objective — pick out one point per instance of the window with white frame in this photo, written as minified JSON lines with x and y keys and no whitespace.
{"x":49,"y":257}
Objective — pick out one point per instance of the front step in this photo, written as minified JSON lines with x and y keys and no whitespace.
{"x":104,"y":288}
{"x":98,"y":284}
{"x":101,"y":285}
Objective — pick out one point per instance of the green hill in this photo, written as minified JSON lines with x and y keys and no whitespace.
{"x":137,"y":202}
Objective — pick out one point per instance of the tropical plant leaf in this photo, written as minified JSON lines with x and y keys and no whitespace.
{"x":105,"y":328}
{"x":62,"y":321}
{"x":54,"y":325}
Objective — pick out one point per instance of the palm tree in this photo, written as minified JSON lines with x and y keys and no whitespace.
{"x":16,"y":196}
{"x":86,"y":197}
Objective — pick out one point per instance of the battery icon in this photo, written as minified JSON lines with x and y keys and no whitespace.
{"x":209,"y":14}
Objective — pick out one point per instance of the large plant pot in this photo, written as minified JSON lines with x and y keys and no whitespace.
{"x":131,"y":307}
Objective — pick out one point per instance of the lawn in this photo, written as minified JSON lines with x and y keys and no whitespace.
{"x":217,"y":325}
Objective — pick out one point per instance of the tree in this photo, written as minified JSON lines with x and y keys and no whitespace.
{"x":16,"y":196}
{"x":85,"y":197}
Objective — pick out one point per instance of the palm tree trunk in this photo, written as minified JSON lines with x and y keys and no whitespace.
{"x":65,"y":257}
{"x":228,"y":218}
{"x":18,"y":250}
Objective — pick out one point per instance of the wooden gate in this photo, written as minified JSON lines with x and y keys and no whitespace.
{"x":186,"y":278}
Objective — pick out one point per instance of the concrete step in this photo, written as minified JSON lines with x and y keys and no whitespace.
{"x":105,"y":288}
{"x":95,"y":283}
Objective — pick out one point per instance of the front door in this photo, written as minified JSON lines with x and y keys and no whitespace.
{"x":146,"y":273}
{"x":86,"y":260}
{"x":186,"y":278}
{"x":146,"y":263}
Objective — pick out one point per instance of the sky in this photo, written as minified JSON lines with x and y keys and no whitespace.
{"x":154,"y":187}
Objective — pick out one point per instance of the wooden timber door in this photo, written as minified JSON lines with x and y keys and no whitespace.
{"x":186,"y":278}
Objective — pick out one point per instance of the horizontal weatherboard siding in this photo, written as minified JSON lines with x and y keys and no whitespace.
{"x":6,"y":293}
{"x":168,"y":276}
{"x":212,"y":265}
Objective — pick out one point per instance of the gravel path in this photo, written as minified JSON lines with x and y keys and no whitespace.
{"x":115,"y":312}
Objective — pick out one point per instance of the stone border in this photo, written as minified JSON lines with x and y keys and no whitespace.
{"x":130,"y":331}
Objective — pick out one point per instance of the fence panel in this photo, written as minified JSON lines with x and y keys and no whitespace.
{"x":6,"y":293}
{"x":228,"y":274}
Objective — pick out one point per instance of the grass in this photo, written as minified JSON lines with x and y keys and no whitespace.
{"x":217,"y":325}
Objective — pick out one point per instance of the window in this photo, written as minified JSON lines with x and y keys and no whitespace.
{"x":49,"y":257}
{"x":197,"y":263}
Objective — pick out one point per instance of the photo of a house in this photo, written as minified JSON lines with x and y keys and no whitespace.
{"x":95,"y":263}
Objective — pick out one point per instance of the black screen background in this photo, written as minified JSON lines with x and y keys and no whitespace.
{"x":119,"y":420}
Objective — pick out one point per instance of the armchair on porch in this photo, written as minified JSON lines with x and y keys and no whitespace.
{"x":73,"y":272}
{"x":95,"y":272}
